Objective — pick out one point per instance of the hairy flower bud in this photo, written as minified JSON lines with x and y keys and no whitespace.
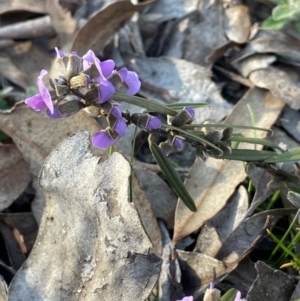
{"x":185,"y":116}
{"x":146,"y":121}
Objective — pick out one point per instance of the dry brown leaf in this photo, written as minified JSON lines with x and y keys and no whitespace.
{"x":36,"y":135}
{"x":217,"y":230}
{"x":254,"y":62}
{"x":198,"y":42}
{"x":63,"y":23}
{"x":21,"y":5}
{"x":270,"y":284}
{"x":283,"y":83}
{"x":101,"y":26}
{"x":14,"y":175}
{"x":198,"y":269}
{"x":213,"y":182}
{"x":31,"y":29}
{"x":12,"y":72}
{"x":237,"y":23}
{"x":160,"y":195}
{"x":96,"y":239}
{"x":31,"y":58}
{"x":176,"y":80}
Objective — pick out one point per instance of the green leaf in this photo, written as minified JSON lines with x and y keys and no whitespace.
{"x":280,"y":1}
{"x":265,"y":142}
{"x":229,"y":295}
{"x":144,"y":103}
{"x":269,"y":23}
{"x":282,"y":12}
{"x":288,"y":156}
{"x":223,"y":125}
{"x":3,"y":104}
{"x":31,"y":90}
{"x":179,"y":106}
{"x":171,"y":175}
{"x":297,"y":26}
{"x":247,"y":155}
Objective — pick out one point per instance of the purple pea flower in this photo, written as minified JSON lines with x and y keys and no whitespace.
{"x":191,"y":111}
{"x":42,"y":100}
{"x":187,"y":299}
{"x":131,"y":79}
{"x":105,"y":68}
{"x":177,"y":142}
{"x":103,"y":140}
{"x":153,"y":123}
{"x":120,"y":127}
{"x":55,"y":113}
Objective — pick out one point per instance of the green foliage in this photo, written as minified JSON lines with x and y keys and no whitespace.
{"x":285,"y":12}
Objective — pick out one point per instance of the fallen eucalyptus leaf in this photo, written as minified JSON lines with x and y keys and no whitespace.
{"x":161,"y":197}
{"x":294,"y":198}
{"x":96,"y":240}
{"x":270,"y":284}
{"x":214,"y":181}
{"x":281,"y":82}
{"x":216,"y":231}
{"x":21,"y":5}
{"x":237,"y":23}
{"x":102,"y":25}
{"x":14,"y":175}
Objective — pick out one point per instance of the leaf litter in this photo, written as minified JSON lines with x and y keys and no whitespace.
{"x":183,"y":51}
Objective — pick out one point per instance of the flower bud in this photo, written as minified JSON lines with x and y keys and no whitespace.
{"x":146,"y":121}
{"x":185,"y":116}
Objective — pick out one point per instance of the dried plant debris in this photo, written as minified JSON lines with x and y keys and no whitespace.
{"x":175,"y":80}
{"x":14,"y":175}
{"x":110,"y":19}
{"x":206,"y":180}
{"x":290,"y":121}
{"x":270,"y":285}
{"x":102,"y":243}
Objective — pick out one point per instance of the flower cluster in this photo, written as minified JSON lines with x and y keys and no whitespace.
{"x":86,"y":83}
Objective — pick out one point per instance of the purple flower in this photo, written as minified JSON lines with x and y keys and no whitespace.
{"x":131,"y":79}
{"x":42,"y":100}
{"x":116,"y":111}
{"x":59,"y":53}
{"x":55,"y":113}
{"x":153,"y":123}
{"x":187,"y":299}
{"x":191,"y":111}
{"x":106,"y":90}
{"x":103,"y":140}
{"x":120,"y":127}
{"x":238,"y":296}
{"x":105,"y":68}
{"x":177,"y":142}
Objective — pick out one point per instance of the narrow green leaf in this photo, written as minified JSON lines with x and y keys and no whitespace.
{"x":223,"y":125}
{"x":269,"y":23}
{"x":282,"y":12}
{"x":288,"y":156}
{"x":229,"y":295}
{"x":188,"y":134}
{"x":144,"y":103}
{"x":265,"y":142}
{"x":179,"y":106}
{"x":247,"y":155}
{"x":172,"y":176}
